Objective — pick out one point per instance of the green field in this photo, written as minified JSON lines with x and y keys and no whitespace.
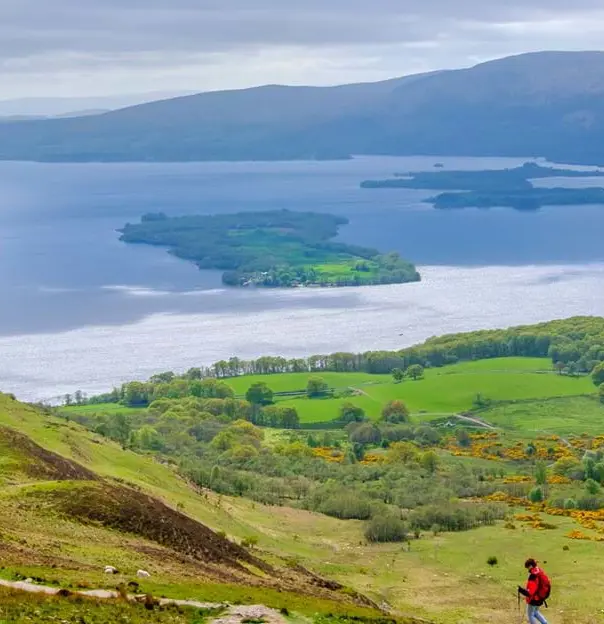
{"x":560,"y":416}
{"x":107,"y":408}
{"x":442,"y":391}
{"x":446,"y":390}
{"x":291,"y":382}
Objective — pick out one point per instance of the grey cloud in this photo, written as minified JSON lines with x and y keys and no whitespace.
{"x":40,"y":26}
{"x":81,"y":35}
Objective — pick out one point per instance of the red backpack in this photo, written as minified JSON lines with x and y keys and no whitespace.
{"x":544,"y":586}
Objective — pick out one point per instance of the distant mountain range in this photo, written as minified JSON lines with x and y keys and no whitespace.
{"x":548,"y":104}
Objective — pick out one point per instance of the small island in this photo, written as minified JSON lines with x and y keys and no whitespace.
{"x":273,"y":249}
{"x":511,"y":188}
{"x":525,"y":200}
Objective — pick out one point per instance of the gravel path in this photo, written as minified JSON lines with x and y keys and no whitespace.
{"x":233,"y":614}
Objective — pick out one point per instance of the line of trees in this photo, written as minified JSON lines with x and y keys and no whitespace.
{"x":575,"y":344}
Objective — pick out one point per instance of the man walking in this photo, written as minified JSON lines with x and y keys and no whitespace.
{"x":537,"y":591}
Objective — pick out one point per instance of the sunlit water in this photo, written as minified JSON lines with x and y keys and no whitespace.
{"x":80,"y":310}
{"x":295,"y":323}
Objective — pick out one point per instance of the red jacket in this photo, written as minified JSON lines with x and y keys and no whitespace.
{"x":532,"y":586}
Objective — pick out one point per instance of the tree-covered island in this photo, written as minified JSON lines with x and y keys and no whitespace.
{"x":529,"y":199}
{"x":511,"y":188}
{"x":273,"y":249}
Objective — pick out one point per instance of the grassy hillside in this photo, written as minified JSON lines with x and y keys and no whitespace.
{"x":40,"y":526}
{"x":72,"y":503}
{"x":564,"y":416}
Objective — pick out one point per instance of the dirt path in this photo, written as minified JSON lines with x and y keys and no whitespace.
{"x":476,"y":421}
{"x":233,"y":614}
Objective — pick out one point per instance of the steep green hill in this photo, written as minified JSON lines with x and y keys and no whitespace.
{"x":72,"y":503}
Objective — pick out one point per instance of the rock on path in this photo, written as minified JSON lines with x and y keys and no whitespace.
{"x":238,"y":613}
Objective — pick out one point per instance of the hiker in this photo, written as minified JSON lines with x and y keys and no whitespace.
{"x":538,"y":588}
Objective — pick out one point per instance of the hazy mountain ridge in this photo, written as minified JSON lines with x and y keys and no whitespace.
{"x":543,"y":104}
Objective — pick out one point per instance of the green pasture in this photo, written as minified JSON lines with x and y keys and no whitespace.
{"x":563,"y":416}
{"x":291,"y":382}
{"x":105,"y":408}
{"x":442,"y":391}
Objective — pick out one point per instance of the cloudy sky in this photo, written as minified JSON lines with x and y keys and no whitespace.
{"x":98,"y":47}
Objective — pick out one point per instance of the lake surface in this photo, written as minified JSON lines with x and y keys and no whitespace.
{"x":82,"y":310}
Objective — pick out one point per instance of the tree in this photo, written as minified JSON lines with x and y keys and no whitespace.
{"x":279,"y":417}
{"x":166,"y":377}
{"x":536,"y":495}
{"x":429,"y":461}
{"x":592,"y":487}
{"x":349,"y":412}
{"x":569,"y":467}
{"x":119,"y":428}
{"x":386,"y":528}
{"x":193,"y":373}
{"x":135,"y":394}
{"x":398,"y":374}
{"x":316,"y":387}
{"x":601,"y":393}
{"x":148,"y":439}
{"x":463,"y":438}
{"x":211,"y":389}
{"x":572,"y":369}
{"x":259,"y":394}
{"x":366,"y":433}
{"x":395,"y":412}
{"x":598,"y":472}
{"x":597,"y":374}
{"x":416,"y":371}
{"x":541,"y":473}
{"x":402,"y":452}
{"x":214,"y":475}
{"x":359,"y":451}
{"x":290,"y":418}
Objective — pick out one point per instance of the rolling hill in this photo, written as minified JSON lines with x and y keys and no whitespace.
{"x":541,"y":104}
{"x":72,"y":503}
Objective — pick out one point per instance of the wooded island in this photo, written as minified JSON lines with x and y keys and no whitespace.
{"x":273,"y":249}
{"x":512,"y":188}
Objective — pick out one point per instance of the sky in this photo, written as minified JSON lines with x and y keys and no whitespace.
{"x":76,"y":48}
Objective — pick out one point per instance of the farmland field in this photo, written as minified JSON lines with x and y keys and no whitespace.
{"x":560,"y":416}
{"x":442,"y":391}
{"x":446,"y":390}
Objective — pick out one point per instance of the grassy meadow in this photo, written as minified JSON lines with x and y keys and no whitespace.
{"x":442,"y":391}
{"x":444,"y":578}
{"x":562,"y":416}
